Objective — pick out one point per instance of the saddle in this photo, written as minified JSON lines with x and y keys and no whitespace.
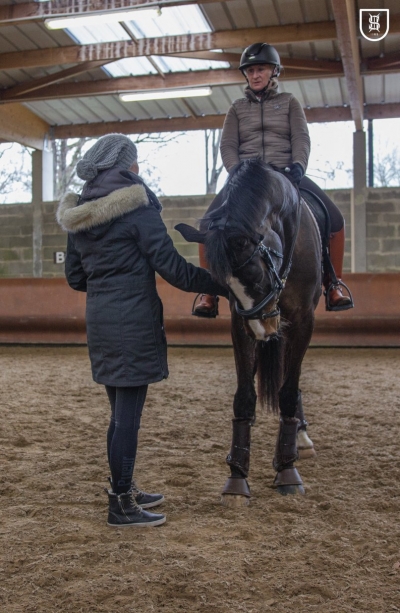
{"x":321,"y":215}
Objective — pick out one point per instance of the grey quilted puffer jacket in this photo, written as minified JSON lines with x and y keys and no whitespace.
{"x":272,"y":127}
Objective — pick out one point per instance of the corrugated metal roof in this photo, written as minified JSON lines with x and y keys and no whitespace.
{"x":232,"y":15}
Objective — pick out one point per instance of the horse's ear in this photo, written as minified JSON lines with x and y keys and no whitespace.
{"x":190,"y":234}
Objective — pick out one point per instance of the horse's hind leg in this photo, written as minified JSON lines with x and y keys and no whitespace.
{"x":236,"y":491}
{"x":305,"y":446}
{"x":287,"y":480}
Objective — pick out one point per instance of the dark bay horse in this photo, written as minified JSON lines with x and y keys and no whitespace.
{"x":262,"y":242}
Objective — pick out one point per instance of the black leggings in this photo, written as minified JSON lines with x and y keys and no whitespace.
{"x":122,"y":436}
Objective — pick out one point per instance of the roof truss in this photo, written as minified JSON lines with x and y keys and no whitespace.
{"x":83,"y":58}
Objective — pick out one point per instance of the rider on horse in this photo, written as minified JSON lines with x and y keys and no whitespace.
{"x":272,"y":126}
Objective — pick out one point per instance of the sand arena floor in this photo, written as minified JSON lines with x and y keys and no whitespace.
{"x":335,"y":550}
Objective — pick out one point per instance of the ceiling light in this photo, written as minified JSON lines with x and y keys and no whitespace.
{"x":59,"y":23}
{"x":164,"y":94}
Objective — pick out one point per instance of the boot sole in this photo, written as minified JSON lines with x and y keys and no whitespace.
{"x":146,"y":524}
{"x":150,"y":505}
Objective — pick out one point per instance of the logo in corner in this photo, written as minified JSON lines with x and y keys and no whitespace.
{"x":374,"y":23}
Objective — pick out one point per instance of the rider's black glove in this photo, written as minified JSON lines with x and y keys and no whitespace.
{"x":295,"y":172}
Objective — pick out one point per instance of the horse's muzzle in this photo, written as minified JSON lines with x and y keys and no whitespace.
{"x":262,"y":329}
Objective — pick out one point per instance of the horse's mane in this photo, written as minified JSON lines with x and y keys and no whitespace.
{"x":254,"y":192}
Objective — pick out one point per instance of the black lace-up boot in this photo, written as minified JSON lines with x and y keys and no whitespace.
{"x":123,"y":511}
{"x":143,"y":499}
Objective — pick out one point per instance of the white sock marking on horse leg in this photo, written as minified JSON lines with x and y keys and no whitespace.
{"x":303,"y":440}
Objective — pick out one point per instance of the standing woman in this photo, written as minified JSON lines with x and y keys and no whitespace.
{"x":272,"y":126}
{"x":117,"y":241}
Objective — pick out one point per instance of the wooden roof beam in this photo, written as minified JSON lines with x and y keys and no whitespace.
{"x":39,"y":90}
{"x":388,"y":61}
{"x":208,"y":122}
{"x":13,"y":93}
{"x":345,"y":20}
{"x":164,"y":45}
{"x":287,"y":62}
{"x":18,"y":124}
{"x":12,"y":14}
{"x":119,"y":85}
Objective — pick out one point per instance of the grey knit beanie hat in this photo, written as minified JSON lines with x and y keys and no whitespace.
{"x":109,"y":151}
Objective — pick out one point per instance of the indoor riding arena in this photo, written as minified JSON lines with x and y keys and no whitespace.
{"x":335,"y":549}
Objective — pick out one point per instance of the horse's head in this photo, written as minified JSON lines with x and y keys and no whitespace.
{"x":243,"y":250}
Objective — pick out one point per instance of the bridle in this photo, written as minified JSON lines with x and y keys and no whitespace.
{"x":279,"y":284}
{"x":265,"y":253}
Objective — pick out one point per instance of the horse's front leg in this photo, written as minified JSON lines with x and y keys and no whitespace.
{"x":288,"y":480}
{"x":236,"y":491}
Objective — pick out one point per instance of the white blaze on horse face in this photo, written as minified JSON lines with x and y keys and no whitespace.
{"x":261,"y":329}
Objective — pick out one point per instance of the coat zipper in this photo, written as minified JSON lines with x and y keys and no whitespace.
{"x":262,"y":130}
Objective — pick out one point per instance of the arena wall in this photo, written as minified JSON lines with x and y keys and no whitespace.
{"x":16,"y":228}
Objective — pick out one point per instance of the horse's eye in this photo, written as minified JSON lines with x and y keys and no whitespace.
{"x":240,"y":242}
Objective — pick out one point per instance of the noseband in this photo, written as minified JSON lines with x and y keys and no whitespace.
{"x":279,"y":284}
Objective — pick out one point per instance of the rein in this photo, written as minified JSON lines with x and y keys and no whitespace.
{"x":265,"y":253}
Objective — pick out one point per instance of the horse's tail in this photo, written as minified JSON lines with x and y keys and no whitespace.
{"x":270,"y":369}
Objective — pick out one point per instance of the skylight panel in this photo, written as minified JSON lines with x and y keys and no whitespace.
{"x":131,"y":66}
{"x":175,"y":64}
{"x":171,"y":22}
{"x":102,"y":33}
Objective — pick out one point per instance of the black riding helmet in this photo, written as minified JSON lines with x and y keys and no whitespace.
{"x":261,"y":53}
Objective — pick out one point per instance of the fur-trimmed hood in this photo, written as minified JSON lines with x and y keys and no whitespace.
{"x":73,"y":218}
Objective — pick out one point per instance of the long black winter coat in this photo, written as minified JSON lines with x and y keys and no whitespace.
{"x":116,"y":242}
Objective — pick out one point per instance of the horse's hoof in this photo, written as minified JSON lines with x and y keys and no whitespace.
{"x":288,"y":481}
{"x":306,"y":454}
{"x":236,"y":492}
{"x":234,"y":502}
{"x":305,"y":446}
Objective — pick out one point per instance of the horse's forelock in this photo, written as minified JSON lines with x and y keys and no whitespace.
{"x":217,"y":256}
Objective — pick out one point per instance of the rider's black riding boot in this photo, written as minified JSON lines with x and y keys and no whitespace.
{"x":335,"y":299}
{"x":123,"y":511}
{"x":208,"y":305}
